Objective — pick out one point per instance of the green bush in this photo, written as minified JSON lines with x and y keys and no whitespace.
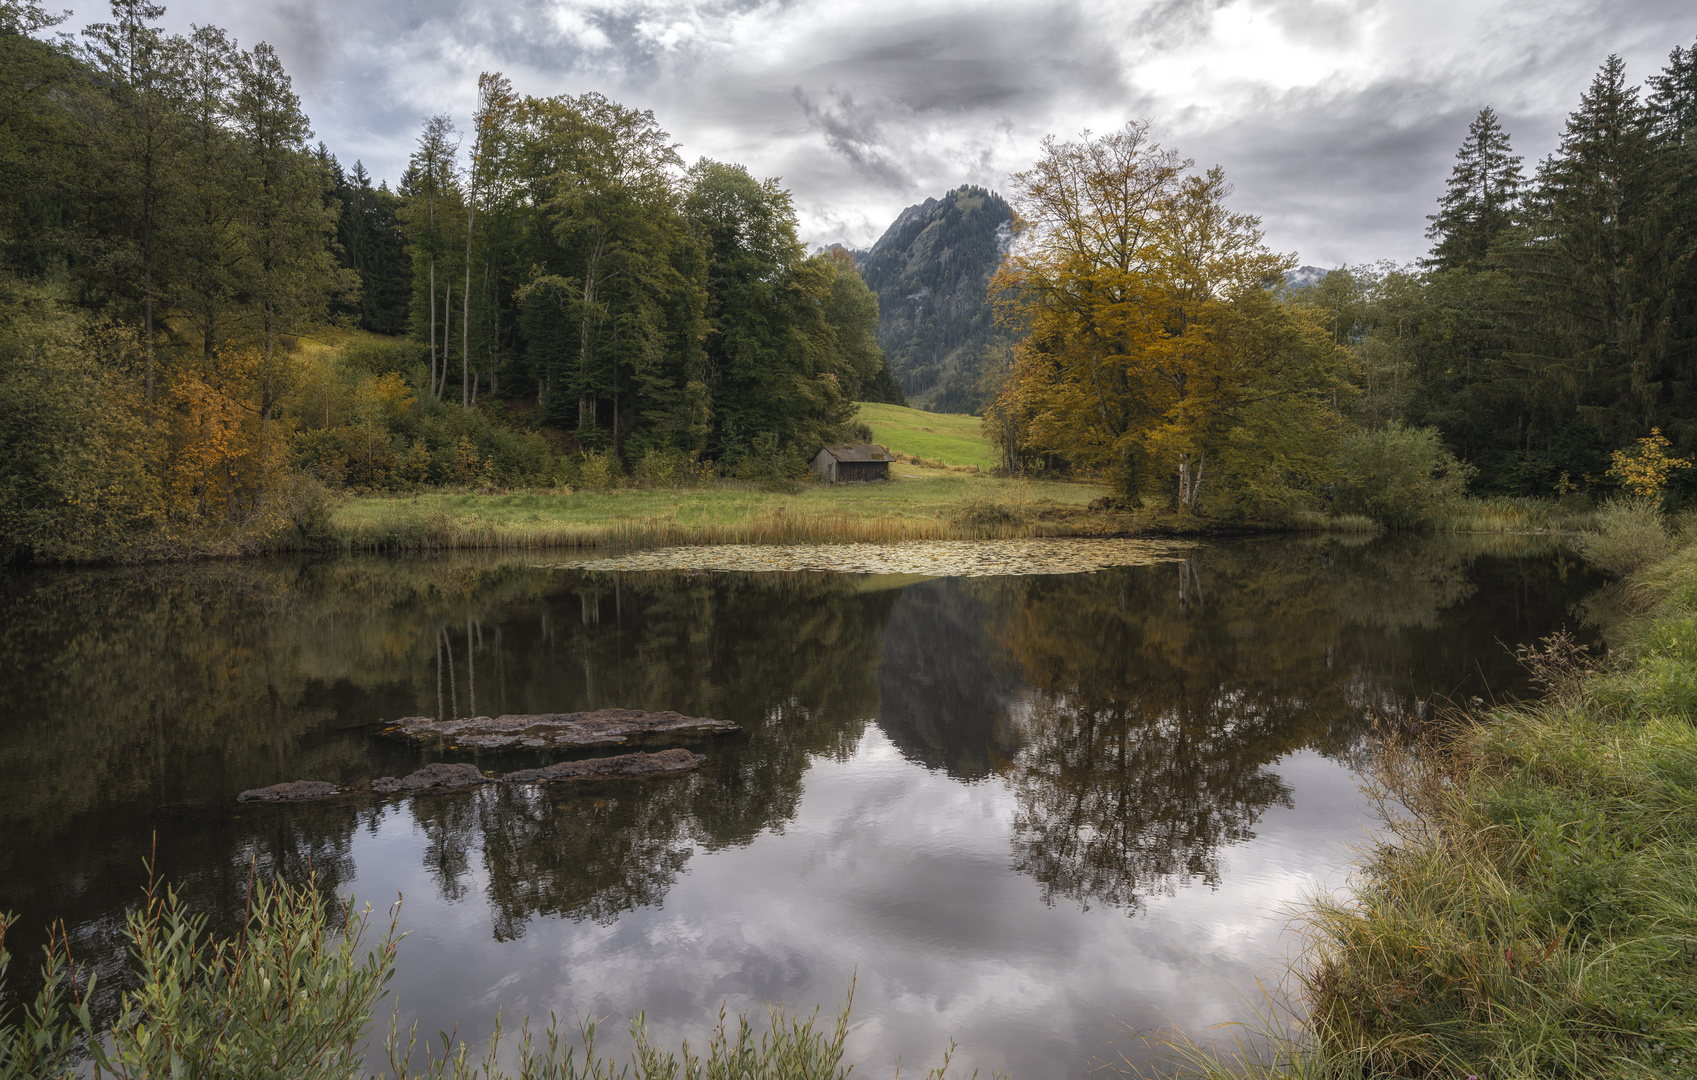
{"x":375,"y":356}
{"x":1399,"y":476}
{"x":669,"y":467}
{"x":305,"y":505}
{"x":766,"y":460}
{"x":599,"y":469}
{"x":1630,"y":534}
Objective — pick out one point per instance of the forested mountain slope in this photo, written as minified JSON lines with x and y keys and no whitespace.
{"x":931,"y":271}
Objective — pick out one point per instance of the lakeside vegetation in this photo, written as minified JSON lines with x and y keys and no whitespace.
{"x":1531,"y":910}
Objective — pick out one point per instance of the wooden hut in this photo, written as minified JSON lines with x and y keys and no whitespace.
{"x":852,"y":461}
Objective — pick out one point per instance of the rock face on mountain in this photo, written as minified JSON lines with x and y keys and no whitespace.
{"x":931,"y":271}
{"x":1304,"y":277}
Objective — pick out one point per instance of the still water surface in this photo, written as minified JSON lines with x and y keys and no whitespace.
{"x":1028,"y":813}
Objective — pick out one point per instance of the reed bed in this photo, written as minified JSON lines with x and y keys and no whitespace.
{"x":1504,"y":514}
{"x":439,"y":532}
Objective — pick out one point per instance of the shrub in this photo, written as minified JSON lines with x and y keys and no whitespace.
{"x":1399,"y":476}
{"x":378,"y":356}
{"x":304,"y":504}
{"x":668,"y":467}
{"x":1630,"y":534}
{"x":599,"y":469}
{"x":775,"y":466}
{"x":985,"y":513}
{"x":292,"y":998}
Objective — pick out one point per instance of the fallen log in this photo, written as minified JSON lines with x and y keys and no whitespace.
{"x":541,"y":731}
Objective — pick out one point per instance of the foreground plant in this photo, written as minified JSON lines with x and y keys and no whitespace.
{"x":292,"y":997}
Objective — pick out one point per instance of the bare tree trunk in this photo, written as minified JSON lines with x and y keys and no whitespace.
{"x":433,"y":327}
{"x":447,"y":333}
{"x":465,"y":314}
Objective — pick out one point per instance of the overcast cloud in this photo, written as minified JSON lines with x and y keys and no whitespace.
{"x":1335,"y":119}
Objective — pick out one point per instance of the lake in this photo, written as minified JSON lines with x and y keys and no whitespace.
{"x":1032,"y":813}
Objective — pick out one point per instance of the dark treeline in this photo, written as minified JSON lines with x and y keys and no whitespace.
{"x":188,"y":289}
{"x":1556,"y":318}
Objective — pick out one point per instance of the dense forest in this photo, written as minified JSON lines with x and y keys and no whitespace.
{"x":1547,"y":347}
{"x":931,"y":271}
{"x":205,"y":318}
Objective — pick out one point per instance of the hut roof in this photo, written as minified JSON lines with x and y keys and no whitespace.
{"x":858,"y":452}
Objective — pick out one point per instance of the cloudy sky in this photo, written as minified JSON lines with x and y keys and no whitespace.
{"x":1336,"y":119}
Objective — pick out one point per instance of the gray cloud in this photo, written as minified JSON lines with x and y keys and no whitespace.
{"x":1335,"y":119}
{"x":854,"y":133}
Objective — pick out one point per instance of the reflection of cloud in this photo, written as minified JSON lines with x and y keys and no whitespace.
{"x":1335,"y":118}
{"x":897,"y":876}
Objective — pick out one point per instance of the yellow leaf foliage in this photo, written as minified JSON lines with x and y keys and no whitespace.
{"x":1151,"y":341}
{"x":1645,"y":467}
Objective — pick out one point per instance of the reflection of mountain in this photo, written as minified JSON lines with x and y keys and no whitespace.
{"x":945,"y":684}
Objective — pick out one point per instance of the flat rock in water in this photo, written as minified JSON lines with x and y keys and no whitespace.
{"x":666,"y":761}
{"x":431,"y":779}
{"x":293,"y":791}
{"x":540,"y":731}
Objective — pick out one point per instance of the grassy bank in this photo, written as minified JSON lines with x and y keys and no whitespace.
{"x":920,"y":504}
{"x":1534,"y":910}
{"x":946,"y":438}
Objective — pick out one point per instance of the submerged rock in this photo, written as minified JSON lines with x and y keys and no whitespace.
{"x":293,"y":791}
{"x":543,"y":730}
{"x":431,"y":780}
{"x":666,"y":761}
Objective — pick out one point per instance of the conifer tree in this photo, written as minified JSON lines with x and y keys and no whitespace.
{"x":1484,"y":189}
{"x":374,"y":246}
{"x":138,"y":79}
{"x":1593,"y":271}
{"x":286,"y":224}
{"x":206,"y":249}
{"x":1672,"y":107}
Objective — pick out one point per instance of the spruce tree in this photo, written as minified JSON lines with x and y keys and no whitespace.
{"x":1672,"y":108}
{"x":1595,"y":273}
{"x":1479,"y":203}
{"x":137,"y":128}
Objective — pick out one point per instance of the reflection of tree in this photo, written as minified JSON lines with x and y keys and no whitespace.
{"x":1161,"y":698}
{"x":135,"y":690}
{"x":582,"y":854}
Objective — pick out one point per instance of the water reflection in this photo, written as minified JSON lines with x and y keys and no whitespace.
{"x":1135,"y":725}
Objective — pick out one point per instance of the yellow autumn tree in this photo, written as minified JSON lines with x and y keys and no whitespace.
{"x":1152,"y":349}
{"x":220,"y":456}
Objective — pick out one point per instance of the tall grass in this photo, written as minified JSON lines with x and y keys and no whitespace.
{"x":441,"y":532}
{"x":1506,"y":514}
{"x":292,"y":997}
